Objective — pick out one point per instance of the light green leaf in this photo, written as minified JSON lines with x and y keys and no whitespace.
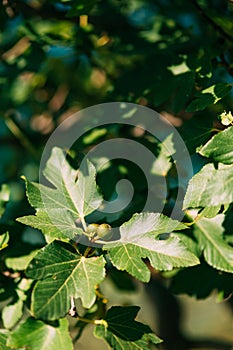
{"x":3,"y":339}
{"x":122,"y":332}
{"x":37,"y":335}
{"x":4,"y":198}
{"x":202,"y":189}
{"x":83,"y":195}
{"x":11,"y":314}
{"x":210,"y":212}
{"x":208,"y":96}
{"x":58,"y":209}
{"x":20,"y":263}
{"x":63,"y":273}
{"x":54,"y":223}
{"x":220,"y":147}
{"x":138,"y":241}
{"x":4,"y":239}
{"x":209,"y":233}
{"x":163,"y":163}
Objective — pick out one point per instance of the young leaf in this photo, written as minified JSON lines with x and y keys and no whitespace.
{"x":202,"y":189}
{"x":58,"y":208}
{"x":122,"y":332}
{"x":37,"y":335}
{"x":138,"y":241}
{"x":209,"y":234}
{"x":220,"y":147}
{"x":63,"y":273}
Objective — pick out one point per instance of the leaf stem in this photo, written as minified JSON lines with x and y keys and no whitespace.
{"x":86,"y":320}
{"x":87,"y":251}
{"x":83,"y":223}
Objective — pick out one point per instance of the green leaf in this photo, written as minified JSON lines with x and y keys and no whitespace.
{"x":4,"y":239}
{"x":11,"y":314}
{"x":220,"y":147}
{"x":201,"y":280}
{"x":37,"y":335}
{"x":202,"y":190}
{"x":210,"y":212}
{"x":63,"y":273}
{"x":209,"y":234}
{"x":56,"y":223}
{"x":20,"y":263}
{"x":208,"y":96}
{"x":163,"y":162}
{"x":138,"y":241}
{"x":58,"y":209}
{"x":122,"y":332}
{"x":3,"y":339}
{"x":4,"y":198}
{"x":83,"y":196}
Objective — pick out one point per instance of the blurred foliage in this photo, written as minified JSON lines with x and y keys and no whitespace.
{"x":58,"y":57}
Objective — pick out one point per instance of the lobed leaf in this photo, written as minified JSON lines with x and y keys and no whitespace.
{"x":62,"y":274}
{"x":122,"y":332}
{"x":138,"y":241}
{"x":58,"y":208}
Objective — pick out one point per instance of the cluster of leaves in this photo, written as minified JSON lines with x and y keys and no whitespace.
{"x":61,"y":56}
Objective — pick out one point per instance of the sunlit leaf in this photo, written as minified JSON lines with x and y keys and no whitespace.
{"x":37,"y":335}
{"x":139,"y":240}
{"x":220,"y":147}
{"x":62,"y":274}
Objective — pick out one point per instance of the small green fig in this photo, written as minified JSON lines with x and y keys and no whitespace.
{"x":104,"y":231}
{"x":92,"y":228}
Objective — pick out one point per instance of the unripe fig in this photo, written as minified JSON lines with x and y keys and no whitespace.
{"x":104,"y":231}
{"x":92,"y":228}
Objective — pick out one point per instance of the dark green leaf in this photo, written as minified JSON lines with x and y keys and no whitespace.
{"x":208,"y":96}
{"x":122,"y":332}
{"x":201,"y":280}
